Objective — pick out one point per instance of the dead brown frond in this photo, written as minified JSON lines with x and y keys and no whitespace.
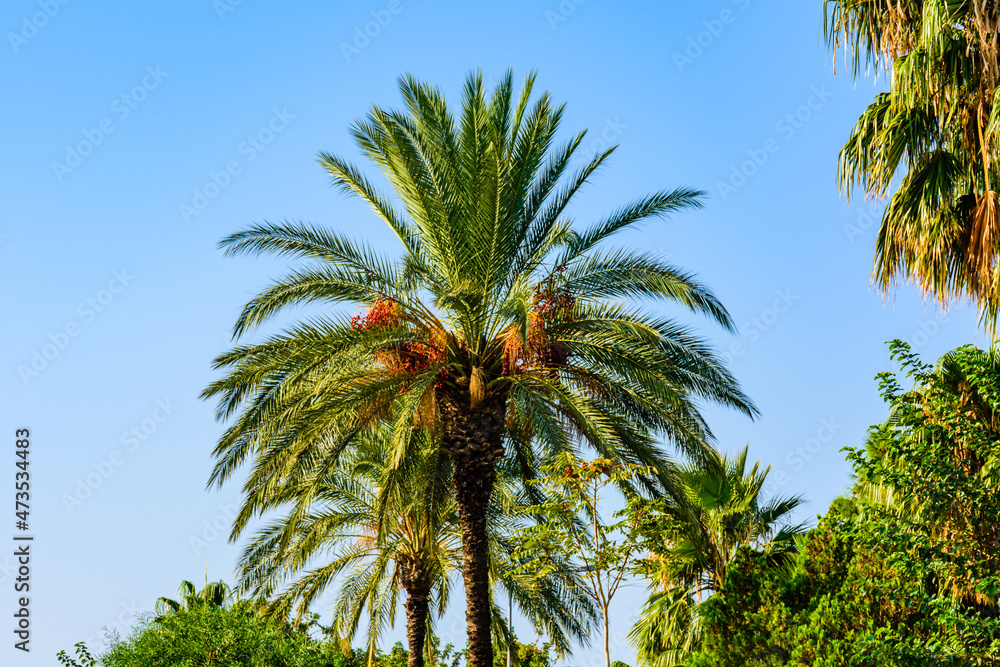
{"x":983,"y":239}
{"x":477,"y":387}
{"x":426,"y":415}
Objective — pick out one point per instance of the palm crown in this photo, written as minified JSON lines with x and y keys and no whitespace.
{"x":500,"y":329}
{"x":934,"y":136}
{"x":692,"y":543}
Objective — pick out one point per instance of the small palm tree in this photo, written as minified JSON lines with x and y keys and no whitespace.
{"x":500,"y":329}
{"x":374,"y":531}
{"x":693,"y":540}
{"x":214,"y":594}
{"x":936,"y":133}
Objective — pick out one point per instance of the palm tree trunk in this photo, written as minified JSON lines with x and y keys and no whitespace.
{"x":473,"y":438}
{"x":416,"y":625}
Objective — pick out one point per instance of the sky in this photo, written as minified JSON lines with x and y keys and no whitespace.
{"x":136,"y":135}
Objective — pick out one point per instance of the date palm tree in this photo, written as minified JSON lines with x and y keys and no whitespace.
{"x":692,"y":544}
{"x":936,"y":132}
{"x":371,"y":531}
{"x":501,"y":327}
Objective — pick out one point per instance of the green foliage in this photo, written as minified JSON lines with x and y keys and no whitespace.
{"x":570,"y":535}
{"x":691,"y":541}
{"x":215,"y":594}
{"x":570,"y":527}
{"x":85,"y":659}
{"x":206,"y":634}
{"x":905,"y":572}
{"x":526,"y":655}
{"x":692,"y":538}
{"x":448,"y":656}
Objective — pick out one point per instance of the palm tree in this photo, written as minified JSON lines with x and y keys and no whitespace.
{"x":382,"y":530}
{"x":937,"y":130}
{"x":692,"y":544}
{"x":214,"y":594}
{"x":500,"y":329}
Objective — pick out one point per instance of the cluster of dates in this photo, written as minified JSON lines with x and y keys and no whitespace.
{"x":406,"y":356}
{"x":548,"y":305}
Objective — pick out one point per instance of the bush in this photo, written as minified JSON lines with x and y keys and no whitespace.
{"x":209,"y":635}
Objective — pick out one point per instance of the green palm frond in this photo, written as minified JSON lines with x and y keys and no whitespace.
{"x":692,"y":540}
{"x":351,"y":529}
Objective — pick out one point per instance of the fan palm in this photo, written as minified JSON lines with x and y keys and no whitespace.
{"x":376,"y":530}
{"x":938,"y":130}
{"x":500,"y":329}
{"x":692,"y":544}
{"x":214,"y":594}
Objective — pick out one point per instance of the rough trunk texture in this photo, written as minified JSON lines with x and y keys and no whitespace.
{"x":416,"y":627}
{"x":416,"y":581}
{"x":473,"y":439}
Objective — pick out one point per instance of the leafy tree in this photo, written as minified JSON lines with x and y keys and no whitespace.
{"x":906,"y":572}
{"x":375,"y":531}
{"x":526,"y":655}
{"x":448,"y":656}
{"x":213,"y":635}
{"x":936,"y":132}
{"x":692,"y":540}
{"x":934,"y":467}
{"x":500,"y":328}
{"x":570,"y":532}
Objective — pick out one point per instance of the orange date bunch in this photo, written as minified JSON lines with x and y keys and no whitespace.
{"x":549,"y":305}
{"x":402,"y":356}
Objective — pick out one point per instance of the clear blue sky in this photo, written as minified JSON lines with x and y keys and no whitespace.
{"x":119,"y":115}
